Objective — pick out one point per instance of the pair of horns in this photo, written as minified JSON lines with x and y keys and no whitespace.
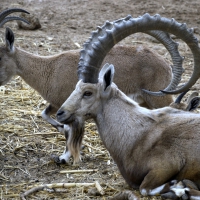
{"x":5,"y":13}
{"x":105,"y":37}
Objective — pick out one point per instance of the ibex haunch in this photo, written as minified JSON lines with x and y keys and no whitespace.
{"x":156,"y":150}
{"x":150,"y":147}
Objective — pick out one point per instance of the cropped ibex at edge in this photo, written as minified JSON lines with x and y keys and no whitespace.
{"x":156,"y":150}
{"x":54,"y":77}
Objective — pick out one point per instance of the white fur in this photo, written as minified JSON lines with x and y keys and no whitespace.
{"x":65,"y":156}
{"x":156,"y":191}
{"x":153,"y":192}
{"x":180,"y":191}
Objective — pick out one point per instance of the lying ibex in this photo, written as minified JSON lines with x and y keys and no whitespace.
{"x":137,"y":68}
{"x":150,"y":147}
{"x":74,"y":132}
{"x":5,"y":13}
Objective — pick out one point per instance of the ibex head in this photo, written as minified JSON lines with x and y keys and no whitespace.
{"x":89,"y":96}
{"x":105,"y":37}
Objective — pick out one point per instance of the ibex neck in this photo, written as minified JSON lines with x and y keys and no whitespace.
{"x":31,"y":68}
{"x":119,"y":116}
{"x":122,"y":127}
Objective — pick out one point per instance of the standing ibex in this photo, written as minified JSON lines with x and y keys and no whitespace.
{"x":153,"y":149}
{"x":136,"y":68}
{"x":5,"y":13}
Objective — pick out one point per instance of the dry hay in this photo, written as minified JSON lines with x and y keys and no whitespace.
{"x":27,"y":143}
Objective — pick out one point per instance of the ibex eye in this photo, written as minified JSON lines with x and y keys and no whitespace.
{"x":87,"y":94}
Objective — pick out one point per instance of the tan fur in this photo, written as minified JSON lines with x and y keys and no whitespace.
{"x":136,"y":68}
{"x":150,"y":147}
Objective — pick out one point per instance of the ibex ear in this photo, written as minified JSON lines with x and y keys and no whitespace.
{"x":9,"y":36}
{"x":106,"y":78}
{"x":193,"y":104}
{"x":106,"y":75}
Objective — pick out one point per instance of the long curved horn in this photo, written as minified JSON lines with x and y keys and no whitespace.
{"x":4,"y":19}
{"x":180,"y":96}
{"x":177,"y":59}
{"x":105,"y":37}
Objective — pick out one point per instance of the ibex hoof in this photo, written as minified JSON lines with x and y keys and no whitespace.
{"x":59,"y":160}
{"x":169,"y":195}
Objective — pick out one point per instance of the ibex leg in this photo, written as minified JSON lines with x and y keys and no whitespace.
{"x":64,"y":129}
{"x":46,"y":115}
{"x":156,"y":182}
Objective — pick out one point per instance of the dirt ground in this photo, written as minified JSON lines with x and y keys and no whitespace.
{"x":26,"y":140}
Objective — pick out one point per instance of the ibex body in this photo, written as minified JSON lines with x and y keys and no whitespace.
{"x":74,"y":132}
{"x":54,"y":77}
{"x":150,"y":147}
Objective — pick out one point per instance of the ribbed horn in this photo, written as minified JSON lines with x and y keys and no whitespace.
{"x":180,"y":96}
{"x":177,"y":59}
{"x":105,"y":37}
{"x":4,"y":19}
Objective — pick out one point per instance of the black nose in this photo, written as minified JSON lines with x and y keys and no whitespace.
{"x":60,"y":112}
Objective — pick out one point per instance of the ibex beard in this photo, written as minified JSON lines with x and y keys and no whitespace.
{"x":74,"y":132}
